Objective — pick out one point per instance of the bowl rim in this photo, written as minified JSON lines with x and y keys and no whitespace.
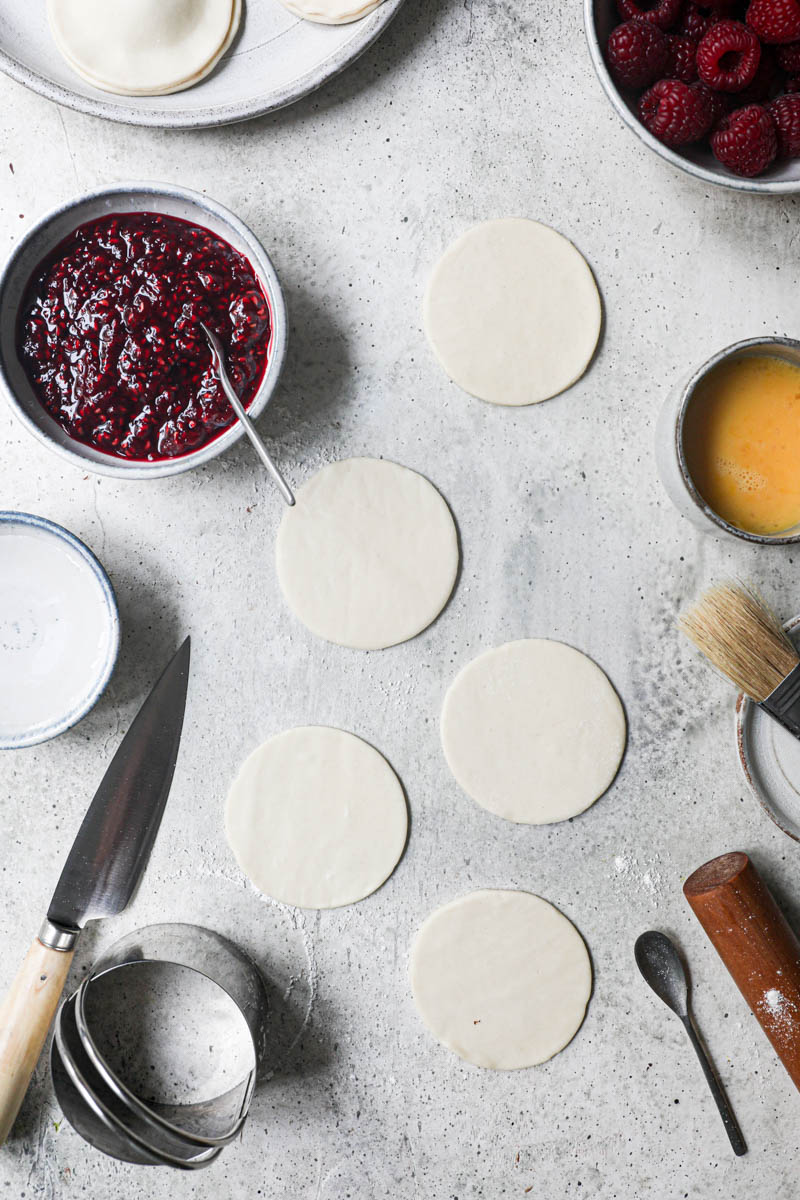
{"x":742,"y":710}
{"x":766,"y":187}
{"x":260,"y":260}
{"x":687,"y":392}
{"x":39,"y":735}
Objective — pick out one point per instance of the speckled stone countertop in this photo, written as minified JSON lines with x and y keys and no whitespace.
{"x":464,"y":110}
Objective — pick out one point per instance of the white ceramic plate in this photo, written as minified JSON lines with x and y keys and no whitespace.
{"x":59,"y":630}
{"x":276,"y":59}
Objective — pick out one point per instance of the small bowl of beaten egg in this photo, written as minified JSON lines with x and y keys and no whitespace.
{"x":728,"y":443}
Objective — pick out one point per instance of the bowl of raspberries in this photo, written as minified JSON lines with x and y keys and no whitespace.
{"x":714,"y":87}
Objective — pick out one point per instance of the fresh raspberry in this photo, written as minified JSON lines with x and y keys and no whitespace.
{"x":728,"y":55}
{"x":695,"y":20}
{"x":746,"y":140}
{"x":785,"y":112}
{"x":792,"y":85}
{"x":789,"y":57}
{"x":716,"y":101}
{"x":663,"y":13}
{"x":764,"y":81}
{"x":637,"y":54}
{"x":675,"y":112}
{"x":775,"y":21}
{"x":681,"y":58}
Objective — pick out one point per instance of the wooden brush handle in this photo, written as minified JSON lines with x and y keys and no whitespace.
{"x":26,"y":1015}
{"x":754,"y":940}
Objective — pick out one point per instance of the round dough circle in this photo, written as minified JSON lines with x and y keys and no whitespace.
{"x":502,"y":978}
{"x":149,"y":48}
{"x":512,"y":312}
{"x":533,"y":731}
{"x":368,"y":555}
{"x":331,"y":12}
{"x":316,"y":818}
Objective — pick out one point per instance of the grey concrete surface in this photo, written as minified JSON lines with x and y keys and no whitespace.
{"x":465,"y":110}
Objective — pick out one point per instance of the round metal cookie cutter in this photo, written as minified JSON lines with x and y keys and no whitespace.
{"x":140,"y":974}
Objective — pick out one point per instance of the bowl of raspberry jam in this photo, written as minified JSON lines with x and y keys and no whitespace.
{"x":102,"y":352}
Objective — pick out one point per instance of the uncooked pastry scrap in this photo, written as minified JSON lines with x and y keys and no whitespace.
{"x":533,"y":731}
{"x":512,"y":312}
{"x":502,"y":978}
{"x":368,"y":555}
{"x":147,"y":48}
{"x":316,"y":818}
{"x":331,"y":12}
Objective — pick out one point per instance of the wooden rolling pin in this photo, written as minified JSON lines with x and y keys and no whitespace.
{"x":753,"y":939}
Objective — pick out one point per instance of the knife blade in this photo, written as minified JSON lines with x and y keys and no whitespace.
{"x":117,"y":834}
{"x":99,"y":877}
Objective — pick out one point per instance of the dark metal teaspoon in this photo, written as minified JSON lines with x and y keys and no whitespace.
{"x":659,"y":962}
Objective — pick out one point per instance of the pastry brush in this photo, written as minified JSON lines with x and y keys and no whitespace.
{"x":741,"y":636}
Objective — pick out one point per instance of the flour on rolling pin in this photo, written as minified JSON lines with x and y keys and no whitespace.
{"x":754,"y":940}
{"x":781,"y":1009}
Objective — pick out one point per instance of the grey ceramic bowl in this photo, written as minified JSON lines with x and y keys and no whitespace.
{"x":600,"y":17}
{"x":58,"y":224}
{"x":671,"y":456}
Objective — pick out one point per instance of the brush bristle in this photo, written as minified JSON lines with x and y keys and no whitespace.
{"x":742,"y":637}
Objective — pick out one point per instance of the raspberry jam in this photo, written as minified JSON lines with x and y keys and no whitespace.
{"x":110,"y":340}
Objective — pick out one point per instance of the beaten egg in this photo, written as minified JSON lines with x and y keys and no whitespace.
{"x":741,"y":440}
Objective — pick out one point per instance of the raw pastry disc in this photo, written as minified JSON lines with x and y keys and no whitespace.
{"x":368,"y":556}
{"x":512,"y":312}
{"x":331,"y":12}
{"x":149,"y":48}
{"x":501,"y":977}
{"x":316,"y":818}
{"x":533,"y":731}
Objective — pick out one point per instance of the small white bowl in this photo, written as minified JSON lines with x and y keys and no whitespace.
{"x":45,"y":235}
{"x":600,"y":17}
{"x":59,"y":630}
{"x":770,"y":757}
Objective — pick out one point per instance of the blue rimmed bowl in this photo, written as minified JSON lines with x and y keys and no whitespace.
{"x":59,"y":630}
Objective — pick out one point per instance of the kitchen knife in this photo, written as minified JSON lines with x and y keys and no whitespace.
{"x":99,"y":877}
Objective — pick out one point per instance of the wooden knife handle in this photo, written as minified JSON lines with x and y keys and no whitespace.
{"x":26,"y":1015}
{"x":754,"y":940}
